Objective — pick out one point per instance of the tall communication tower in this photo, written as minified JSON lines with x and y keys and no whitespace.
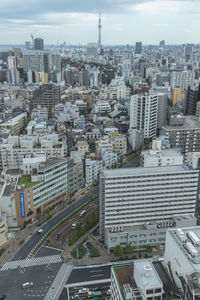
{"x":99,"y":27}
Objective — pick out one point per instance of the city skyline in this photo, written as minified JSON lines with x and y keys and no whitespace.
{"x":123,"y":22}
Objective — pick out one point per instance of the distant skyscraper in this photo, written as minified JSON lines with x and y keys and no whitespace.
{"x":38,"y":44}
{"x":92,"y":49}
{"x":162,"y":44}
{"x":99,"y":27}
{"x":12,"y":73}
{"x":189,"y":52}
{"x":28,"y":45}
{"x":138,"y":48}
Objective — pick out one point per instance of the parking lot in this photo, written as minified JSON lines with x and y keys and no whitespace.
{"x":75,"y":293}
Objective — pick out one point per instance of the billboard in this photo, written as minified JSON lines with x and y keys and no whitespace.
{"x":22,"y":205}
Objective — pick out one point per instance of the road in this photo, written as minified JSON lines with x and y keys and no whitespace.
{"x":24,"y":251}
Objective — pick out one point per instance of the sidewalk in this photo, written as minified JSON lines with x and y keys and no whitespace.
{"x":102,"y":259}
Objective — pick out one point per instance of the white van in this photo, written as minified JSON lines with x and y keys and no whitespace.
{"x":26,"y":285}
{"x":73,"y":225}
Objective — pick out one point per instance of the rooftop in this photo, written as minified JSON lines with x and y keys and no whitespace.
{"x":9,"y":189}
{"x":25,"y":181}
{"x":50,"y":162}
{"x":127,"y":172}
{"x":190,"y":122}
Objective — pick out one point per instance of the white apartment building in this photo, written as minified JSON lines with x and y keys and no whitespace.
{"x":15,"y":124}
{"x":143,"y":114}
{"x":82,"y":147}
{"x":15,"y":148}
{"x":103,"y":143}
{"x":109,"y":158}
{"x":182,"y":259}
{"x":182,"y":79}
{"x":117,"y":90}
{"x":160,"y":157}
{"x":119,"y":144}
{"x":3,"y":228}
{"x":153,"y":195}
{"x":185,"y":136}
{"x":102,"y":106}
{"x":39,"y":114}
{"x":66,"y":112}
{"x":92,"y":170}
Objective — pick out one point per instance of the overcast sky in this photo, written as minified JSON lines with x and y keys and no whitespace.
{"x":123,"y":21}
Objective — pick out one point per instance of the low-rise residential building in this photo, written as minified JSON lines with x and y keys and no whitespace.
{"x":103,"y":143}
{"x":15,"y":125}
{"x":102,"y":106}
{"x":109,"y":158}
{"x":82,"y":147}
{"x":119,"y":143}
{"x":39,"y":114}
{"x":92,"y":170}
{"x":157,"y":156}
{"x":15,"y":148}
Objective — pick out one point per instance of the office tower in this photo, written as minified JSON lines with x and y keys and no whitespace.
{"x":38,"y":44}
{"x":99,"y":28}
{"x":19,"y":58}
{"x":189,"y":52}
{"x":143,"y":113}
{"x":47,"y":95}
{"x":183,"y":133}
{"x":138,"y":48}
{"x":92,"y":49}
{"x":162,"y":110}
{"x":12,"y":72}
{"x":193,"y":96}
{"x":28,"y":45}
{"x":182,"y":79}
{"x":162,"y":44}
{"x":138,"y":204}
{"x":33,"y":60}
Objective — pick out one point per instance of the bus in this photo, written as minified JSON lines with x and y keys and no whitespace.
{"x":82,"y":213}
{"x":94,"y":294}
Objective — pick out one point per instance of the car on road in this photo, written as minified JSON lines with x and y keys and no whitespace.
{"x":2,"y":297}
{"x":108,"y":292}
{"x":75,"y":296}
{"x":83,"y":291}
{"x":26,"y":285}
{"x":97,"y":288}
{"x":40,"y":230}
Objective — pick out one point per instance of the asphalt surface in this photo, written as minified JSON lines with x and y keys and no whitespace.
{"x":24,"y":251}
{"x":89,"y":274}
{"x":42,"y":278}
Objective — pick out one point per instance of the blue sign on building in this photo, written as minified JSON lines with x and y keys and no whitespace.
{"x":22,"y":205}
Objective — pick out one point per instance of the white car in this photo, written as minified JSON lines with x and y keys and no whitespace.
{"x":83,"y":291}
{"x":40,"y":230}
{"x":108,"y":292}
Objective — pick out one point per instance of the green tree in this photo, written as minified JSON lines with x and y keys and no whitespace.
{"x":118,"y":250}
{"x":148,"y":248}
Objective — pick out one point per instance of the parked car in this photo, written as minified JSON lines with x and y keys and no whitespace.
{"x":83,"y":291}
{"x":26,"y":285}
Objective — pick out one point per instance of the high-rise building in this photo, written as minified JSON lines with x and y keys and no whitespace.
{"x":138,"y":204}
{"x":28,"y":45}
{"x":12,"y":73}
{"x":182,"y":79}
{"x":193,"y":96}
{"x":162,"y":109}
{"x":99,"y":32}
{"x":162,"y":44}
{"x":47,"y":95}
{"x":92,"y":49}
{"x":38,"y":44}
{"x":144,"y":113}
{"x":183,"y":133}
{"x":138,"y":48}
{"x":189,"y":52}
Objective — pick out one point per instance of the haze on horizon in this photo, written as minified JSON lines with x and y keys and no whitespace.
{"x":124,"y":21}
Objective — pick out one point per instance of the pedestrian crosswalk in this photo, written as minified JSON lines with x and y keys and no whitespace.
{"x":30,"y":262}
